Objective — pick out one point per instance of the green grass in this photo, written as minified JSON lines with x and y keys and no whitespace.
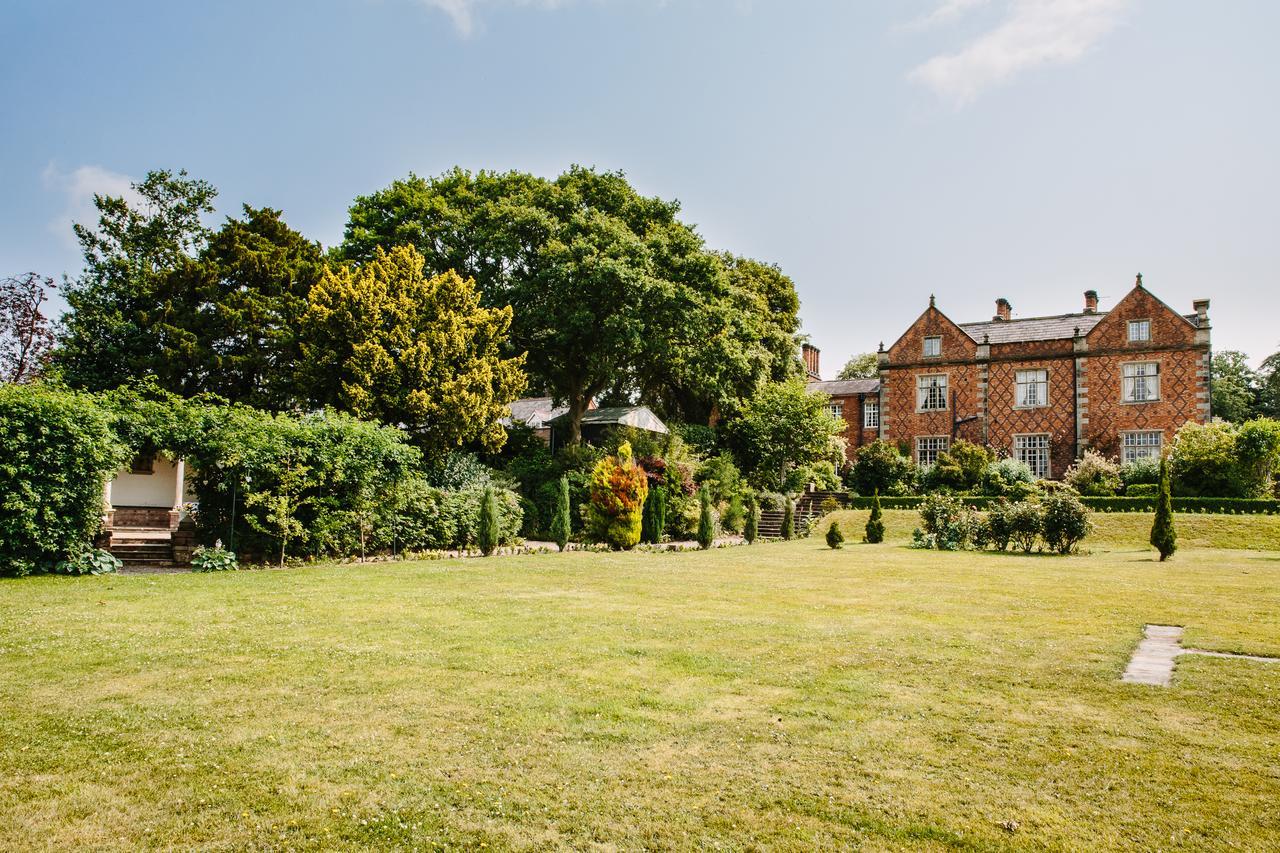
{"x":777,"y":696}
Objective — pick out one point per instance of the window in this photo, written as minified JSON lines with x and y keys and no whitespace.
{"x":1034,"y":451}
{"x":932,"y":346}
{"x":1141,"y":381}
{"x":836,"y":409}
{"x":1032,"y":390}
{"x":931,"y":392}
{"x":1139,"y":330}
{"x":871,"y":414}
{"x":143,"y":463}
{"x":928,"y":447}
{"x":1140,"y":445}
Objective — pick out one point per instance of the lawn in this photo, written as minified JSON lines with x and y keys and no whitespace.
{"x":782,"y":695}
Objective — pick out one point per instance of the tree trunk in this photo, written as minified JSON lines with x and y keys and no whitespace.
{"x":577,"y":408}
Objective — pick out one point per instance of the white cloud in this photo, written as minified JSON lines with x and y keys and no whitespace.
{"x":78,"y":188}
{"x":1033,"y":33}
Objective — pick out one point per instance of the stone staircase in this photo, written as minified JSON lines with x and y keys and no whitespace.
{"x":143,"y":547}
{"x":808,"y":509}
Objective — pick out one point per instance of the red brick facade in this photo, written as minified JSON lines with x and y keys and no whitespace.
{"x":1084,"y":382}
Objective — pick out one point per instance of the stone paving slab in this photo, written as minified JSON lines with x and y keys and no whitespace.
{"x":1152,"y":661}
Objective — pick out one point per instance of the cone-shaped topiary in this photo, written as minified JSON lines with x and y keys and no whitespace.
{"x":654,"y":520}
{"x":875,"y":524}
{"x":1163,"y":536}
{"x":835,"y":538}
{"x":788,"y":519}
{"x":706,"y":519}
{"x":488,"y":534}
{"x":618,"y":490}
{"x":751,"y":527}
{"x":560,"y":526}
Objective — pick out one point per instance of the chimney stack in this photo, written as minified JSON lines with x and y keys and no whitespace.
{"x":1003,"y":309}
{"x":1201,"y":307}
{"x":1091,"y":302}
{"x":810,"y":354}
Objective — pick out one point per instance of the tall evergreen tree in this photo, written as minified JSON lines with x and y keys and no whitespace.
{"x":875,"y":524}
{"x":488,"y":533}
{"x":706,"y":519}
{"x":1163,"y":535}
{"x":560,"y":522}
{"x":788,"y":518}
{"x":751,"y":530}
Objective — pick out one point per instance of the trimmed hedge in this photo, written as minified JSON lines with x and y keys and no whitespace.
{"x":1224,"y":506}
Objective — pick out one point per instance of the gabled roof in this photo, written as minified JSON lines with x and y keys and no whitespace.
{"x":846,"y":387}
{"x":535,"y":412}
{"x":640,"y":417}
{"x":1032,"y":328}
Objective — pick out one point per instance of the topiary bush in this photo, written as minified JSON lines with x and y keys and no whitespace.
{"x":788,"y":518}
{"x":874,"y":532}
{"x":487,"y":535}
{"x":751,"y":526}
{"x":1163,"y":536}
{"x":560,"y":522}
{"x":654,"y":518}
{"x":618,"y":491}
{"x":835,"y":539}
{"x":214,"y":559}
{"x":57,"y":451}
{"x":706,"y":519}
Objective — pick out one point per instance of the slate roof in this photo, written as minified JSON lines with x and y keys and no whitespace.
{"x":640,"y":417}
{"x":1032,"y":328}
{"x":846,"y":387}
{"x":536,"y":412}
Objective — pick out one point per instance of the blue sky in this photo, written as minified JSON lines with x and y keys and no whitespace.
{"x":878,"y":151}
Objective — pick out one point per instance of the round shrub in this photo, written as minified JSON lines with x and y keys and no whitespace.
{"x":1065,"y":523}
{"x":880,"y":467}
{"x":1025,"y":520}
{"x":618,"y":491}
{"x":835,"y":539}
{"x":1094,"y":475}
{"x":58,"y":450}
{"x":213,"y":560}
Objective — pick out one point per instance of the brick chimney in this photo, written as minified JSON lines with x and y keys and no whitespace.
{"x":810,"y":354}
{"x":1091,"y":302}
{"x":1201,"y":307}
{"x":1003,"y":309}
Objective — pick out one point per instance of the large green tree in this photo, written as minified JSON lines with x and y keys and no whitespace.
{"x":383,"y":341}
{"x":612,"y":293}
{"x":120,"y":323}
{"x":781,"y":431}
{"x":862,"y":366}
{"x":1234,"y":387}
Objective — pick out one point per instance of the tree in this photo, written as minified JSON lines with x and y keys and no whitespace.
{"x":611,"y":292}
{"x":835,"y":539}
{"x":282,"y":504}
{"x":26,"y":335}
{"x":1234,"y":387}
{"x":751,"y":528}
{"x":1269,"y":387}
{"x":618,"y":491}
{"x":1163,"y":537}
{"x":383,"y":342}
{"x":560,"y":522}
{"x":880,"y":467}
{"x":862,"y":366}
{"x":788,"y":518}
{"x":706,"y":519}
{"x":781,"y":429}
{"x":488,"y":534}
{"x":875,"y":524}
{"x":655,"y":515}
{"x":120,"y":322}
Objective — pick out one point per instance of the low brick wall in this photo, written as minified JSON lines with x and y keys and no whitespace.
{"x":141,"y":516}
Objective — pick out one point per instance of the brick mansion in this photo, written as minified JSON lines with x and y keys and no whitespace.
{"x":1039,"y":389}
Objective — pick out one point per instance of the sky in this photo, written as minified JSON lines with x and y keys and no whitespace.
{"x":878,"y":151}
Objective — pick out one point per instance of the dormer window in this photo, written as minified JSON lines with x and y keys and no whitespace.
{"x":1139,"y":331}
{"x":933,"y":346}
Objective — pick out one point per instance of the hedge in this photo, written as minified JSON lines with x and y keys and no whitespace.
{"x":1226,"y":506}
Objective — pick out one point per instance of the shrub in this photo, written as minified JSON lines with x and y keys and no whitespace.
{"x":1140,"y":472}
{"x":487,"y":535}
{"x":1163,"y":537}
{"x":875,"y":524}
{"x":1258,"y":454}
{"x":788,"y":519}
{"x":997,"y":526}
{"x":960,"y":468}
{"x":835,"y":539}
{"x":734,"y":515}
{"x":880,"y":467}
{"x":58,"y":450}
{"x":721,"y":476}
{"x":751,"y":529}
{"x":428,"y":518}
{"x":1065,"y":523}
{"x":1094,"y":475}
{"x":948,"y":521}
{"x":1007,"y":478}
{"x":1203,"y":461}
{"x":560,"y":524}
{"x":215,"y":559}
{"x":618,"y":491}
{"x":654,"y":519}
{"x":1143,"y":490}
{"x":706,"y":519}
{"x":88,"y":561}
{"x":1025,"y":521}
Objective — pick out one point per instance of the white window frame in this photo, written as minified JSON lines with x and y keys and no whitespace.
{"x":936,"y":340}
{"x":1037,"y":456}
{"x":1134,"y":378}
{"x":836,"y":409}
{"x":1035,"y":389}
{"x":871,"y":414}
{"x":1136,"y":444}
{"x":937,"y":444}
{"x":925,"y":393}
{"x":1141,"y":324}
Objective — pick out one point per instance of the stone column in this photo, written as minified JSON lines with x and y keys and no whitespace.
{"x":103,"y":539}
{"x":179,"y":488}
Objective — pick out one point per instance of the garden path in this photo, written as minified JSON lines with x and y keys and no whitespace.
{"x":1152,"y":661}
